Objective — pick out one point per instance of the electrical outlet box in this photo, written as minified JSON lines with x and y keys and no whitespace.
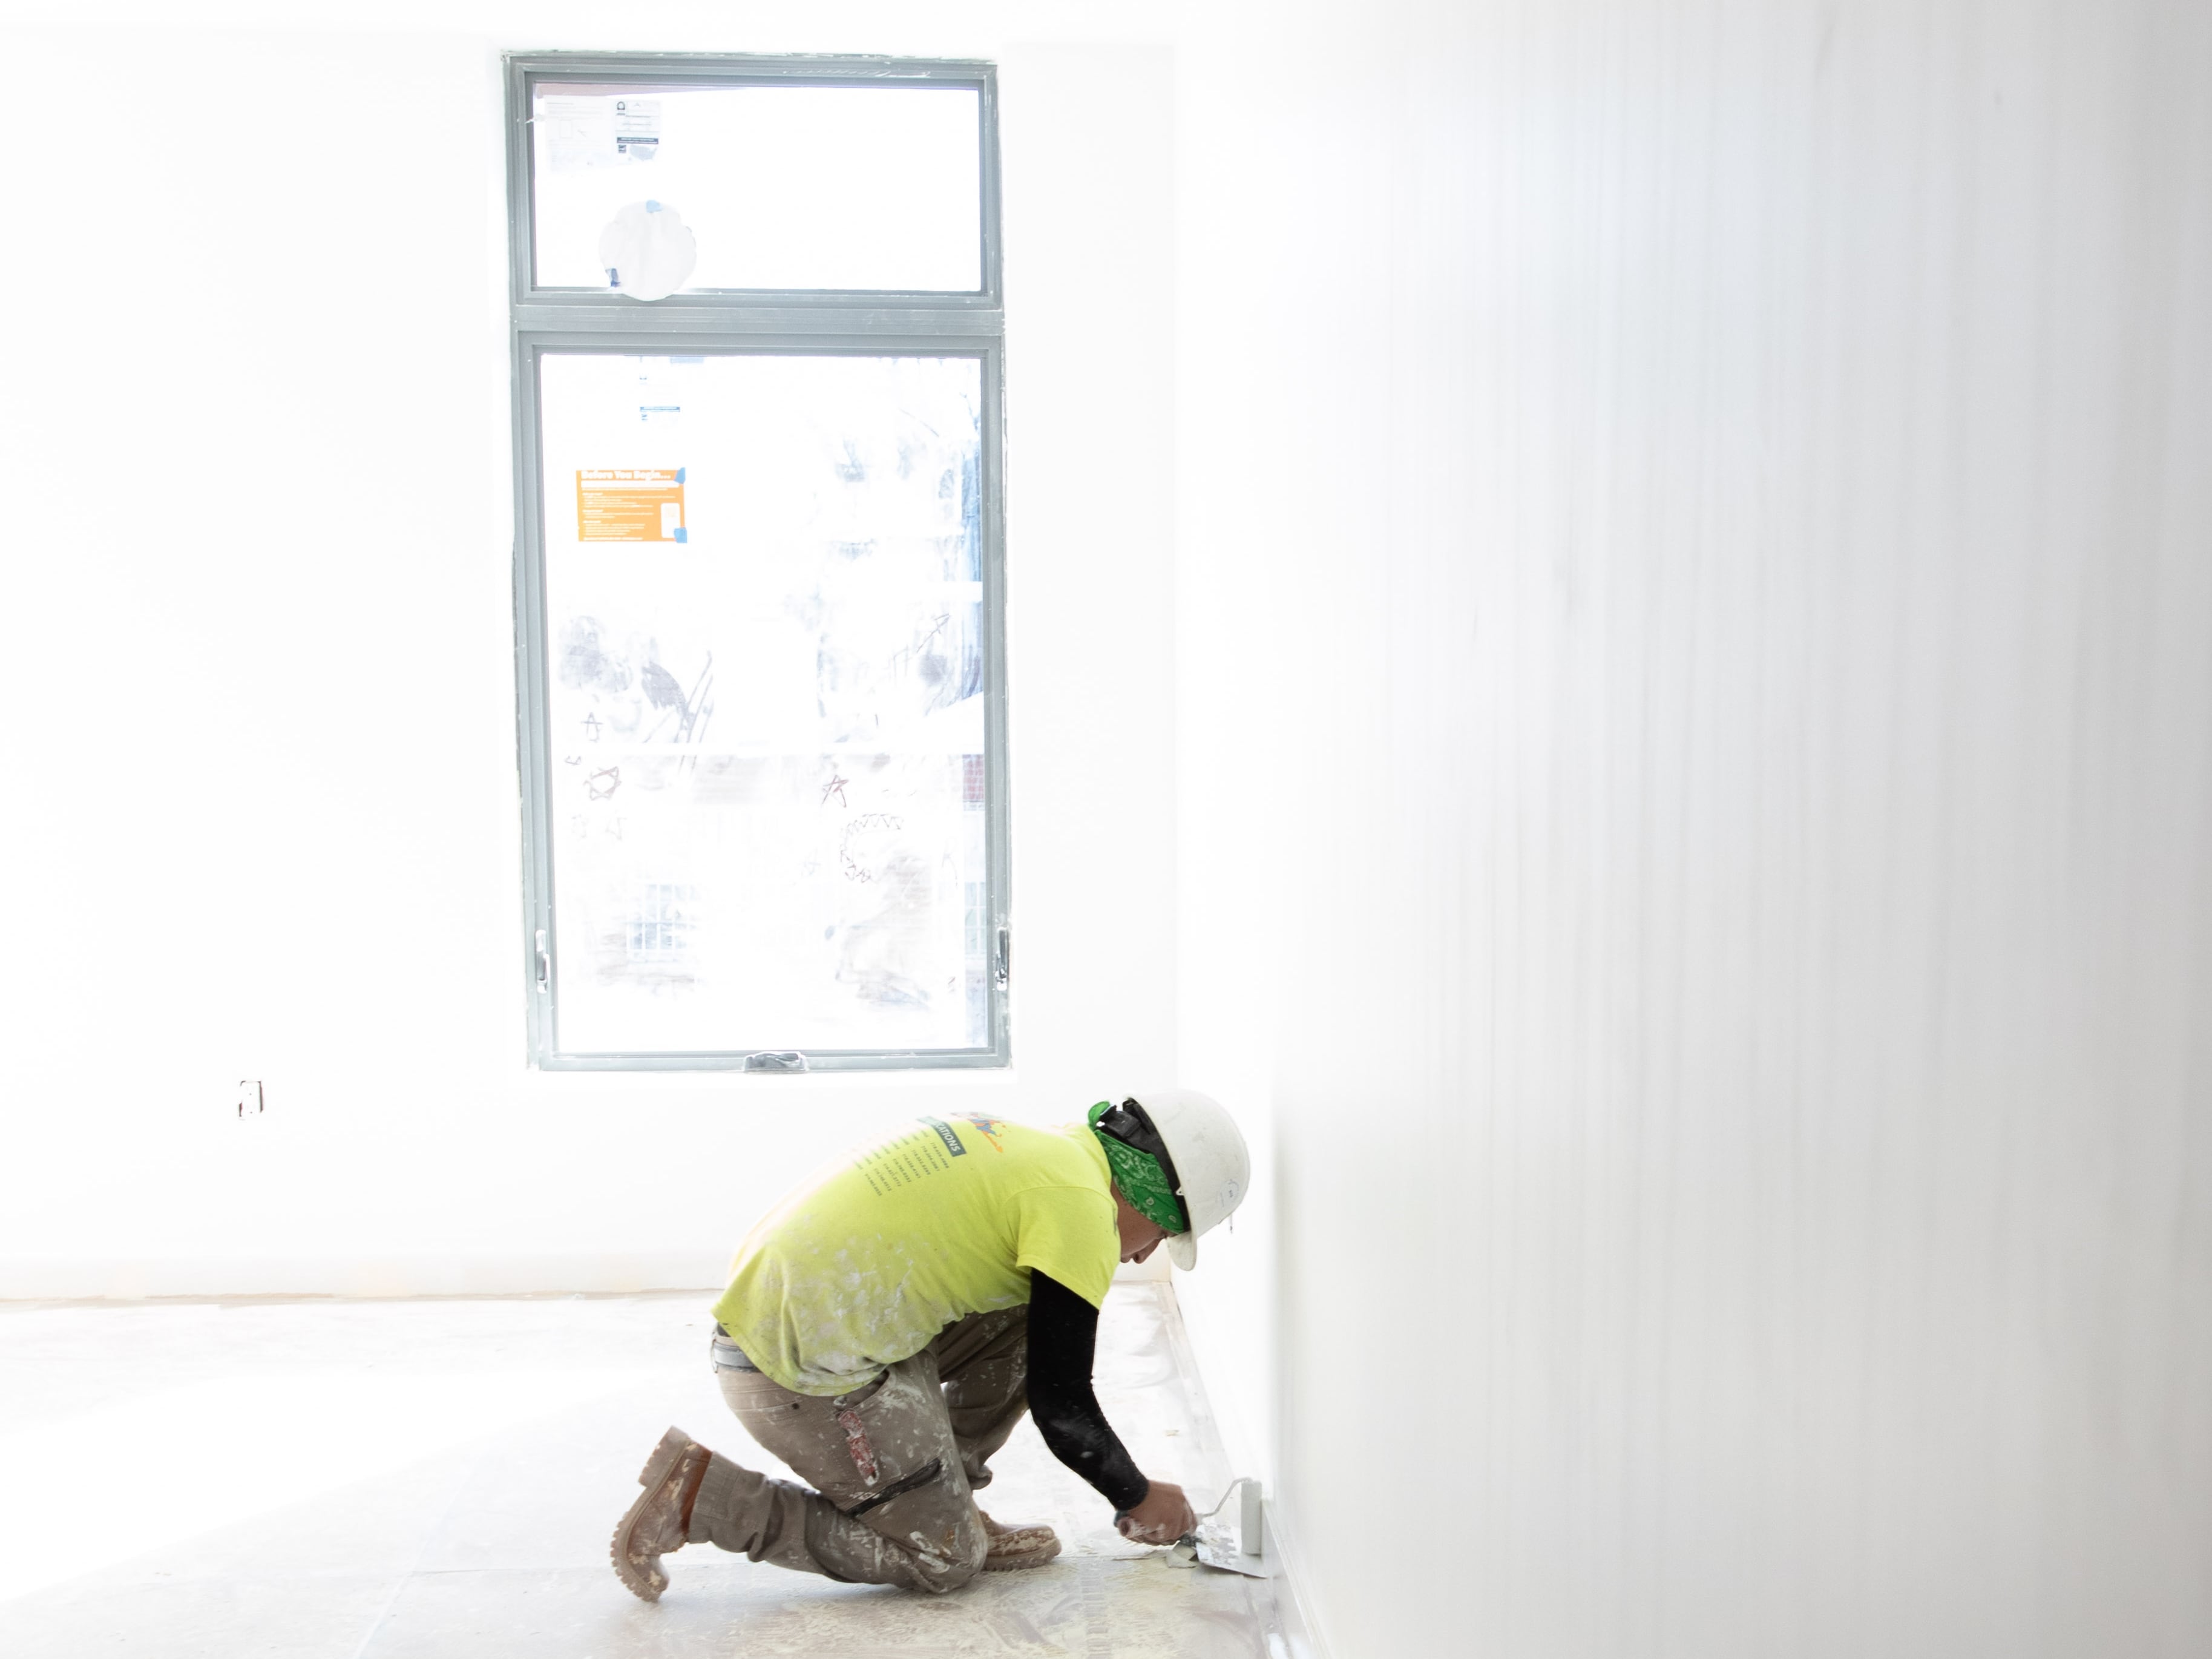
{"x":251,"y":1101}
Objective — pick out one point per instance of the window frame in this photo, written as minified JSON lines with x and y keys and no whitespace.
{"x":745,"y":321}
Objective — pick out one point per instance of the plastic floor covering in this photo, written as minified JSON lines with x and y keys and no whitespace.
{"x":412,"y":1480}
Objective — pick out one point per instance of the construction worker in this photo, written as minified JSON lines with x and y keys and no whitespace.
{"x":886,"y":1325}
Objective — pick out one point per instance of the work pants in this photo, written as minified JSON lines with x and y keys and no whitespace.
{"x":893,"y":1465}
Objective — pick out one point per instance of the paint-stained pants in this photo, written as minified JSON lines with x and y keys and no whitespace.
{"x":894,"y":1464}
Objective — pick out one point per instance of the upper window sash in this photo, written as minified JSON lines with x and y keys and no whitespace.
{"x":674,"y":81}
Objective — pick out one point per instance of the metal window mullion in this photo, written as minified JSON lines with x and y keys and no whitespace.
{"x":997,"y":835}
{"x":532,"y":711}
{"x":740,"y":322}
{"x":865,"y":342}
{"x":708,"y":68}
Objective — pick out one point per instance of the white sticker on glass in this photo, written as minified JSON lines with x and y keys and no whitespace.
{"x":599,"y":131}
{"x":648,"y":251}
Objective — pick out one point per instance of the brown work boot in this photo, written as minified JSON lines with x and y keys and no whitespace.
{"x":658,"y":1522}
{"x":1018,"y":1547}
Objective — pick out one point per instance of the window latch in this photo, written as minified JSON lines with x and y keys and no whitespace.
{"x":1006,"y":962}
{"x":545,"y":965}
{"x":783,"y":1060}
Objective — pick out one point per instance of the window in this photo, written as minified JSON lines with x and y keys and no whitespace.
{"x":759,"y":592}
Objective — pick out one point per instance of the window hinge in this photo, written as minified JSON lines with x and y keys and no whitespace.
{"x":1005,"y":964}
{"x":545,"y":965}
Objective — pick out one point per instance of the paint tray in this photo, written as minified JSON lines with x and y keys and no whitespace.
{"x":1212,"y":1545}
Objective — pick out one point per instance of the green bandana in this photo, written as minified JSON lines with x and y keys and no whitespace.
{"x":1139,"y":1176}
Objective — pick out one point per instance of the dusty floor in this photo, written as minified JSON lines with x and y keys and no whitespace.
{"x":400,"y":1479}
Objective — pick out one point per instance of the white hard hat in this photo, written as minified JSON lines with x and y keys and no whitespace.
{"x":1213,"y":1169}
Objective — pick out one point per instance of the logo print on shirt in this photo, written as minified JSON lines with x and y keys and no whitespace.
{"x":989,"y":1127}
{"x":947,"y":1135}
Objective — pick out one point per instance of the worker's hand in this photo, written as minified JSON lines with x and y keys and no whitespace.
{"x":1163,"y":1517}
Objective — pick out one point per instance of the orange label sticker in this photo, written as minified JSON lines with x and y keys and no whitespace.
{"x":629,"y":504}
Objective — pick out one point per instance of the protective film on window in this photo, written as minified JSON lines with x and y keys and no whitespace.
{"x":844,"y":187}
{"x":765,"y":673}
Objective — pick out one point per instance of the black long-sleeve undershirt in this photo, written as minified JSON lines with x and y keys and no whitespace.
{"x":1063,"y":1339}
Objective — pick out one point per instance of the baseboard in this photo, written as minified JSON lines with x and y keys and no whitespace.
{"x":1294,"y":1632}
{"x":1301,"y":1631}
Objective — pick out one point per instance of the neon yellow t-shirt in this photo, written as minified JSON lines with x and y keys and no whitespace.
{"x":861,"y":1267}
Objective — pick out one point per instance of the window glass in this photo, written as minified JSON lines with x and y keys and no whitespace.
{"x":865,"y":187}
{"x":765,"y":672}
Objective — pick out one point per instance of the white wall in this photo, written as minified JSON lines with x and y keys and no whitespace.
{"x":1695,"y":707}
{"x":258,"y":701}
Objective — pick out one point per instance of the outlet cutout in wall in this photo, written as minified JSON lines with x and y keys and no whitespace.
{"x":251,"y":1101}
